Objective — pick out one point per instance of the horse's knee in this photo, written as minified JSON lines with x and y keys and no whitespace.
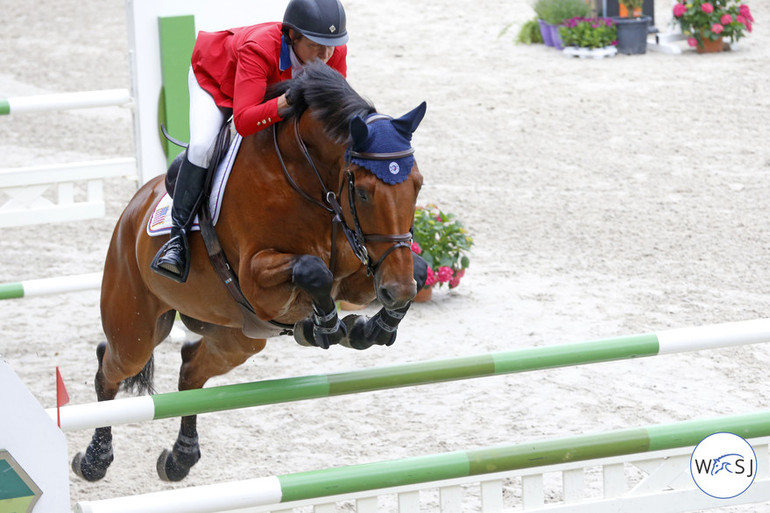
{"x":311,"y":274}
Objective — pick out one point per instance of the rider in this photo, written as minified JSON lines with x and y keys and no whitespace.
{"x":230,"y":73}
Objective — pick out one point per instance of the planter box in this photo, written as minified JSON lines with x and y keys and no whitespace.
{"x":555,"y":37}
{"x":632,"y":34}
{"x":545,"y":32}
{"x":550,"y":34}
{"x":590,"y":53}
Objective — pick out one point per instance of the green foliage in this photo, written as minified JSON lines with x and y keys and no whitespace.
{"x":556,"y":11}
{"x":530,"y":33}
{"x":632,"y":4}
{"x":442,"y":240}
{"x":588,"y":32}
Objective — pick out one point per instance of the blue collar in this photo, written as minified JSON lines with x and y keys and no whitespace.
{"x":285,"y":60}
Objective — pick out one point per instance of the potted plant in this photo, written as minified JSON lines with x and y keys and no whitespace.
{"x":589,"y":37}
{"x":706,"y":23}
{"x":551,"y":13}
{"x":632,"y":28}
{"x":442,"y":241}
{"x":528,"y":34}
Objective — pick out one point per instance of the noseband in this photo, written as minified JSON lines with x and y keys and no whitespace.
{"x":355,"y":236}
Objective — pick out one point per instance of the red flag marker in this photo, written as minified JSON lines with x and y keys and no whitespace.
{"x":62,"y":397}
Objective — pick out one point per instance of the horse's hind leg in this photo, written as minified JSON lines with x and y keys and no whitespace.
{"x":219,"y":351}
{"x":129,"y":365}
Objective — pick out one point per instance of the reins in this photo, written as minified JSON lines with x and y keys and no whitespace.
{"x":355,"y":237}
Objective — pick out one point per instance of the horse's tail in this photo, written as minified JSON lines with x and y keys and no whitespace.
{"x":142,"y":383}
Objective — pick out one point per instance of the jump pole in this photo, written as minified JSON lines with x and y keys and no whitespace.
{"x":39,"y":287}
{"x":229,"y":397}
{"x":424,"y":469}
{"x":65,"y":101}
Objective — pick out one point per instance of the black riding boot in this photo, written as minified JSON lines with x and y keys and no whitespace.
{"x":173,"y":259}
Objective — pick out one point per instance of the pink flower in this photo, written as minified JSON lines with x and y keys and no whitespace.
{"x":444,"y":274}
{"x":742,"y":19}
{"x":746,"y":12}
{"x":416,"y":248}
{"x":726,"y":19}
{"x":692,"y":41}
{"x":431,"y":280}
{"x":455,"y":281}
{"x":679,"y":10}
{"x":707,"y":8}
{"x":438,"y":218}
{"x":460,"y":273}
{"x":716,"y":28}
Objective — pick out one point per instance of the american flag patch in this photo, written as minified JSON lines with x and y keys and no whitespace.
{"x":159,"y":217}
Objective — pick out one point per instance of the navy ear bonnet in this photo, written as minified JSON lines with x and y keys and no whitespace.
{"x":382,"y":144}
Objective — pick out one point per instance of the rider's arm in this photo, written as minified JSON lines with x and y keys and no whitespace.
{"x":251,"y":78}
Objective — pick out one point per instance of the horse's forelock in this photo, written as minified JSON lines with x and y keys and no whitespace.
{"x":326,"y":92}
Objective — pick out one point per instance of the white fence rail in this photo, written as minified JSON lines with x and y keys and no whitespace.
{"x":60,"y":192}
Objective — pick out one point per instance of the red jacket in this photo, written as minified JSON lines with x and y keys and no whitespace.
{"x":237,"y":65}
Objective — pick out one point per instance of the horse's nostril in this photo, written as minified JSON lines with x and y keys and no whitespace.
{"x":385,"y":296}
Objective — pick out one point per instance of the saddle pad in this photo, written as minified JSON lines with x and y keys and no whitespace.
{"x":160,"y":221}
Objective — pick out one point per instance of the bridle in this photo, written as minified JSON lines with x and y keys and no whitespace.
{"x":355,"y":236}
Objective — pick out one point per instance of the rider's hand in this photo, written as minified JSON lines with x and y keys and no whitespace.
{"x":283,"y":104}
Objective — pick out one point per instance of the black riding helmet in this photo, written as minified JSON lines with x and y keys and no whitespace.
{"x":321,"y":21}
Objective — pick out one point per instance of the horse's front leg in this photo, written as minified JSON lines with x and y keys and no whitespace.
{"x":364,"y":332}
{"x":323,"y":327}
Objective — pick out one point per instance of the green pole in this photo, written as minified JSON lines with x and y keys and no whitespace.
{"x":228,"y":397}
{"x":422,"y":469}
{"x":11,"y":290}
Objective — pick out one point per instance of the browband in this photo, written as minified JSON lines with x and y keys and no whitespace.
{"x":382,"y":156}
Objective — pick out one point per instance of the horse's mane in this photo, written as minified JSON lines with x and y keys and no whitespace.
{"x":325,"y":91}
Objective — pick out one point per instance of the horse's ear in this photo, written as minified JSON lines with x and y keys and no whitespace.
{"x":409,"y":122}
{"x":359,"y":132}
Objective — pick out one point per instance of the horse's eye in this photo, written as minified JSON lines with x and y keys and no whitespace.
{"x":362,"y":194}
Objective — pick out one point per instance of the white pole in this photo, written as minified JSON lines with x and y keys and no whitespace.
{"x":202,"y":499}
{"x":63,"y":101}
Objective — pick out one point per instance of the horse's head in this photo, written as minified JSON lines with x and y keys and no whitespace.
{"x":366,"y":159}
{"x":383,"y":184}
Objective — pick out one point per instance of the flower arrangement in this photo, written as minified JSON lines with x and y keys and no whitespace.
{"x":443,"y":242}
{"x":712,"y":19}
{"x":556,"y":11}
{"x":588,"y":32}
{"x":633,"y":8}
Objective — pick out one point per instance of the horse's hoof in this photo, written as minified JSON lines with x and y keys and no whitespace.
{"x":355,"y":327}
{"x":169,"y":469}
{"x":88,"y":472}
{"x":309,"y":335}
{"x":303,"y":333}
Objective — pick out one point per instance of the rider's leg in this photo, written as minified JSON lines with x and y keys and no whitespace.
{"x":206,"y":118}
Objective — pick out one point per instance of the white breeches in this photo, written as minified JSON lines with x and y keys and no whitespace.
{"x":206,"y":118}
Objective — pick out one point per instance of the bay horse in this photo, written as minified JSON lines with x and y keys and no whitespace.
{"x":308,"y":217}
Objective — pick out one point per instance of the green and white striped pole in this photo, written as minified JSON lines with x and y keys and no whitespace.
{"x":425,"y":469}
{"x":39,"y":287}
{"x":229,"y":397}
{"x":65,"y":101}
